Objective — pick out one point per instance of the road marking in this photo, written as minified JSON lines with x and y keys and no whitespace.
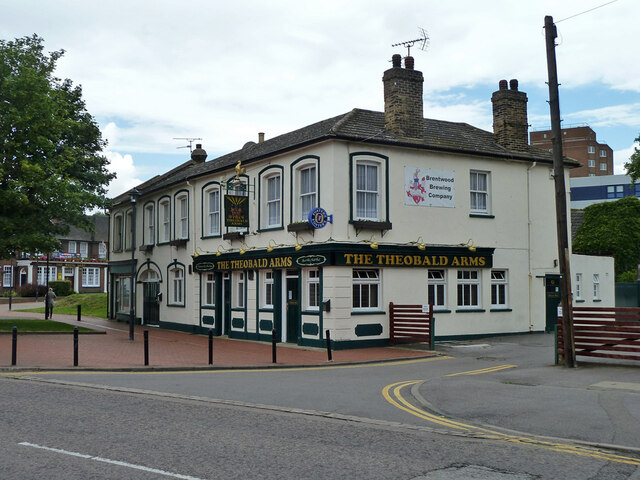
{"x":392,"y":394}
{"x":112,"y":462}
{"x":223,"y":370}
{"x":483,"y":370}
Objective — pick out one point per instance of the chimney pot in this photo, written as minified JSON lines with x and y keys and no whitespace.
{"x":408,"y":63}
{"x":260,"y":137}
{"x":502,"y":85}
{"x":513,"y":84}
{"x":396,"y":60}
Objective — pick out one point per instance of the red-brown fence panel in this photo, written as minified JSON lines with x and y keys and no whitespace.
{"x":410,"y":324}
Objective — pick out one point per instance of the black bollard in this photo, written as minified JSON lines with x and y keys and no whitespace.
{"x":75,"y":346}
{"x":46,"y":309}
{"x":14,"y":346}
{"x":274,"y":339}
{"x":79,"y":313}
{"x":210,"y":346}
{"x":328,"y":338}
{"x":146,"y":348}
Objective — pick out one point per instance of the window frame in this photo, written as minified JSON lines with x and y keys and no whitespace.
{"x":603,"y":153}
{"x":84,"y":250}
{"x":470,"y":285}
{"x":176,"y":286}
{"x":382,"y":163}
{"x":591,"y":149}
{"x":436,"y":284}
{"x":239,"y":289}
{"x":311,"y":278}
{"x":479,"y":193}
{"x":7,"y":273}
{"x":265,"y":176}
{"x":606,"y":167}
{"x":207,"y":224}
{"x":267,"y":289}
{"x":181,"y":218}
{"x":591,"y":163}
{"x":149,"y":223}
{"x":72,"y":243}
{"x":118,"y":232}
{"x":90,"y":280}
{"x":53,"y":274}
{"x":499,"y":288}
{"x":596,"y":287}
{"x":209,"y":289}
{"x":164,"y":221}
{"x":358,"y":284}
{"x":296,"y":213}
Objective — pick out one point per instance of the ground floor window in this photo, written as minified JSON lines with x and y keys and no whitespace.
{"x":469,"y":289}
{"x":7,"y":279}
{"x":90,"y":277}
{"x":312,"y":300}
{"x":209,"y":289}
{"x":42,"y":274}
{"x":238,"y":289}
{"x":499,"y":284}
{"x":123,"y":293}
{"x":176,"y":274}
{"x":366,"y":289}
{"x":267,"y":289}
{"x":437,"y":288}
{"x":596,"y":286}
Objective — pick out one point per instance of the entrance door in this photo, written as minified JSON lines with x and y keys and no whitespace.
{"x":553,"y":298}
{"x":150,"y":305}
{"x":293,"y":306}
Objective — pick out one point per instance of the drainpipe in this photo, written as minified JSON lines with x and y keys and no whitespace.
{"x":529,"y":244}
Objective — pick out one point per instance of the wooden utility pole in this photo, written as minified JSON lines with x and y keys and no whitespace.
{"x":561,"y":195}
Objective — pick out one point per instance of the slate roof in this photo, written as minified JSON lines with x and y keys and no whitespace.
{"x":358,"y":125}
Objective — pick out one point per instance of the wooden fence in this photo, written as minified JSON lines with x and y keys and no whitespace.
{"x":410,"y":324}
{"x":606,"y":332}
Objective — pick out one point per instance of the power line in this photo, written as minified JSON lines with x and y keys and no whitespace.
{"x":587,"y":11}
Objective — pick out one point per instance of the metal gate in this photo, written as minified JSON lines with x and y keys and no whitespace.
{"x":151,"y":305}
{"x":411,"y":324}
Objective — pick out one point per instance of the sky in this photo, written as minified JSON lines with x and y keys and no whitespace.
{"x":156,"y":72}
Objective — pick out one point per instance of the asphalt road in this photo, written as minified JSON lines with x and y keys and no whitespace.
{"x":66,"y":432}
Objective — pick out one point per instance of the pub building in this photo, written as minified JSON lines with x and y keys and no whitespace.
{"x":319,"y":229}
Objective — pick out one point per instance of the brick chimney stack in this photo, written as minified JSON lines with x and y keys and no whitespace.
{"x":403,"y":112}
{"x":510,"y":126}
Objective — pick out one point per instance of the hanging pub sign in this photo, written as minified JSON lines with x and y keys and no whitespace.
{"x":318,"y":217}
{"x":236,"y":211}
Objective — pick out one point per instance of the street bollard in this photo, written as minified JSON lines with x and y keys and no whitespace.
{"x":146,"y":348}
{"x":75,"y":346}
{"x":274,"y":339}
{"x":328,"y":338}
{"x":14,"y":346}
{"x":210,"y":346}
{"x":79,"y":313}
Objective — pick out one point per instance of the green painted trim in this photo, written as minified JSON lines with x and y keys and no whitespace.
{"x":310,"y":329}
{"x":470,"y":310}
{"x":596,"y":300}
{"x":579,"y":300}
{"x":208,"y":320}
{"x":373,"y":312}
{"x":310,"y":312}
{"x":481,"y":215}
{"x":501,"y":310}
{"x":261,"y":175}
{"x":441,"y":311}
{"x":368,"y":330}
{"x":237,"y":322}
{"x":292,"y":182}
{"x":265,"y":325}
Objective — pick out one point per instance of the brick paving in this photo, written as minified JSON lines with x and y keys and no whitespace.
{"x":167,"y":349}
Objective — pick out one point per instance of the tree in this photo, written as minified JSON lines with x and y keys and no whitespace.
{"x":612,"y":228}
{"x":633,"y":165}
{"x":51,"y":167}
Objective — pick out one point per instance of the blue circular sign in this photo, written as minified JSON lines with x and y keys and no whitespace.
{"x":318,"y":217}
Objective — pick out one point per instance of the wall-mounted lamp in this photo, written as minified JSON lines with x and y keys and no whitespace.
{"x":272,"y":245}
{"x":199,"y":252}
{"x":300,"y":244}
{"x":470,"y":245}
{"x":222,"y":250}
{"x":372,"y":242}
{"x":419,"y":243}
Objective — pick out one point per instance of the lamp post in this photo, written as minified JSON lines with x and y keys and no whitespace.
{"x":133,"y":195}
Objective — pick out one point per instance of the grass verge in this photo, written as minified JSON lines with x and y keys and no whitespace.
{"x":38,"y":326}
{"x":91,"y":305}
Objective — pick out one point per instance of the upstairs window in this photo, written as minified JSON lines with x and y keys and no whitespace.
{"x":117,"y":233}
{"x":149,"y":224}
{"x":578,"y":286}
{"x":212,"y":211}
{"x":182,"y":217}
{"x":274,"y":205}
{"x":603,"y":153}
{"x":308,"y":187}
{"x":84,"y":250}
{"x":592,"y":164}
{"x":71,"y":248}
{"x":164,"y":221}
{"x":603,"y":167}
{"x":128,"y":230}
{"x":591,"y":149}
{"x":596,"y":286}
{"x":367,"y":194}
{"x":102,"y":250}
{"x":479,"y":192}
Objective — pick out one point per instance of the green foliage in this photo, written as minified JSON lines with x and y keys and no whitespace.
{"x":633,"y":165}
{"x":51,"y":166}
{"x":612,"y":228}
{"x":61,"y":288}
{"x":31,"y":290}
{"x":628,"y":277}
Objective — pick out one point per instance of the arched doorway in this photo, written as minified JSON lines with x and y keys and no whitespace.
{"x":151,"y":298}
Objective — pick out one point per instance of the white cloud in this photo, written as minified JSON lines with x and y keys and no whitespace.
{"x":125,"y":170}
{"x":621,"y":157}
{"x":613,"y":115}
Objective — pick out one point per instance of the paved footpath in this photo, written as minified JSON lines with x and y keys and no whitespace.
{"x":112,"y":349}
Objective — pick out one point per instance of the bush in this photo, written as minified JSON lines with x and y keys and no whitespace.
{"x":61,"y":288}
{"x":628,"y":277}
{"x":30,"y":289}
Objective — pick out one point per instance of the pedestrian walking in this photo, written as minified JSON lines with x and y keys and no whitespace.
{"x":49,"y":303}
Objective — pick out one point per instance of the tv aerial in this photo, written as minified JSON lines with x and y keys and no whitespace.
{"x":188,"y":139}
{"x":423,"y":42}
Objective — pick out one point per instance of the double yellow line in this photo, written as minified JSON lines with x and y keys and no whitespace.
{"x":393,"y":394}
